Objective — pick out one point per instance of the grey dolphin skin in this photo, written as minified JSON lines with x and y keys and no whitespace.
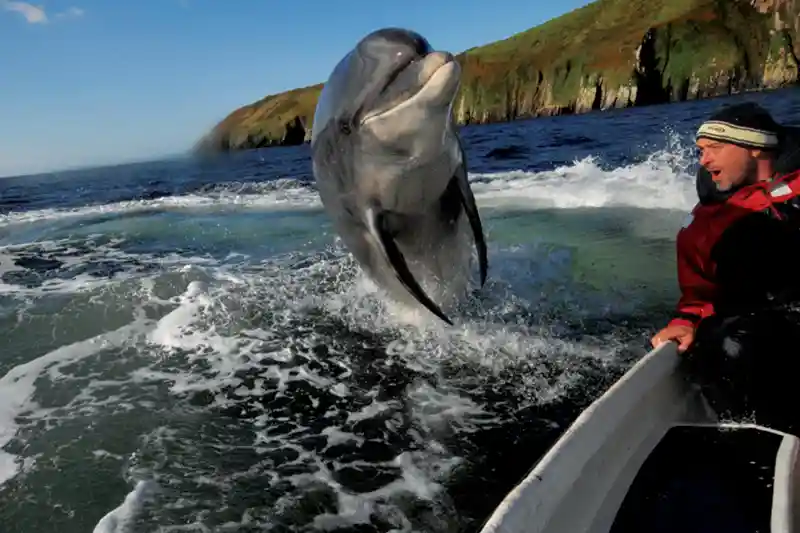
{"x":391,"y":171}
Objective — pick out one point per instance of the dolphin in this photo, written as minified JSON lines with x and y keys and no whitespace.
{"x":391,"y":170}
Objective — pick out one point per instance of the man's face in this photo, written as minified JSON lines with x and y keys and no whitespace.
{"x":729,"y":165}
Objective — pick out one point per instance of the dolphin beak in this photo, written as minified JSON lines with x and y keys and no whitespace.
{"x":376,"y":223}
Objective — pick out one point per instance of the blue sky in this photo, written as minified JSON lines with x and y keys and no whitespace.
{"x":91,"y":82}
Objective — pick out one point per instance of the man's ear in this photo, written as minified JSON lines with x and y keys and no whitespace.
{"x":757,"y":153}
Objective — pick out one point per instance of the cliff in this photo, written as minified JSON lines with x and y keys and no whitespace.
{"x":608,"y":54}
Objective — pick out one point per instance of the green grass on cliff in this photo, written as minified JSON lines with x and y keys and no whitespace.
{"x":702,"y":34}
{"x":266,"y":119}
{"x":554,"y":65}
{"x":594,"y":31}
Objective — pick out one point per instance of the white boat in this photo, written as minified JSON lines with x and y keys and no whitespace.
{"x":650,"y":455}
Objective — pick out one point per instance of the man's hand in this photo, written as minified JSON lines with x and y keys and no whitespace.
{"x":683,"y":335}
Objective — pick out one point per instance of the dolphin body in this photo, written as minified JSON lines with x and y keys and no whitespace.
{"x":391,"y":170}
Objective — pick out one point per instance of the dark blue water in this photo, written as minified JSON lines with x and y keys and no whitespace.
{"x":187,"y":348}
{"x":615,"y":137}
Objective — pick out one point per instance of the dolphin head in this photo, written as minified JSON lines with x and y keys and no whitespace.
{"x":392,"y":77}
{"x":389,"y":100}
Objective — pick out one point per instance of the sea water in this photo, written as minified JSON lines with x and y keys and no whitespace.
{"x":186,"y":346}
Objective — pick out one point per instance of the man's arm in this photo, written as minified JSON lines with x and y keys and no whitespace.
{"x":697,"y":288}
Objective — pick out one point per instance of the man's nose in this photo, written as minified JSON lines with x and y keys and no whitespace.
{"x":705,"y":159}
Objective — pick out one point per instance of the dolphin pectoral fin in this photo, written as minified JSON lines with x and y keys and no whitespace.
{"x":471,"y":209}
{"x":377,"y":224}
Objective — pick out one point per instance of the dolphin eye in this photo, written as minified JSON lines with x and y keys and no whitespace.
{"x":344,"y":127}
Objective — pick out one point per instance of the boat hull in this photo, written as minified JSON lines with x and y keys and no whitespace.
{"x":580,"y":484}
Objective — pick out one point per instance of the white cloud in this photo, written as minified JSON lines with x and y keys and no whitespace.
{"x":73,"y":12}
{"x":33,"y":14}
{"x":36,"y":14}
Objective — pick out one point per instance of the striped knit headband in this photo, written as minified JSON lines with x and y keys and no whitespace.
{"x":732,"y":133}
{"x":746,"y":124}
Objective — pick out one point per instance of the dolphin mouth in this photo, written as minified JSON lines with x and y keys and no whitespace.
{"x":405,"y":83}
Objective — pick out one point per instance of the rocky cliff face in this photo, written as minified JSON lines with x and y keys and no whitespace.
{"x":781,"y":65}
{"x":608,"y":54}
{"x":278,"y":120}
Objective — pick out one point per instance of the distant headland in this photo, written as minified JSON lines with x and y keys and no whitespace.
{"x":608,"y":54}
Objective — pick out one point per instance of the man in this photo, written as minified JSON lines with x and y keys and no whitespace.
{"x":738,"y":231}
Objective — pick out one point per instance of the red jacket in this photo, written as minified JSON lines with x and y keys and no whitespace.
{"x":703,"y":229}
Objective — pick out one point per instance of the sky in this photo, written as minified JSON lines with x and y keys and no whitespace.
{"x":94,"y":82}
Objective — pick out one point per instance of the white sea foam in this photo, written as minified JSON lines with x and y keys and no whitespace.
{"x":654,"y":184}
{"x":18,"y":386}
{"x":118,"y":519}
{"x":661,"y":181}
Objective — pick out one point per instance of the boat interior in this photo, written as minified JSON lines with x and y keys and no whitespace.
{"x":703,"y":479}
